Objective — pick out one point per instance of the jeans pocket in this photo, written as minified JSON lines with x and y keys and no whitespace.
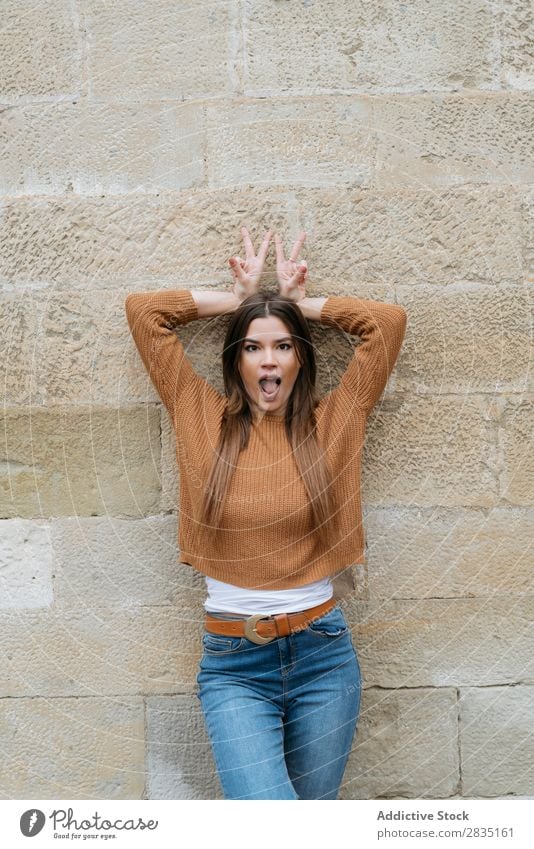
{"x":332,"y":624}
{"x":221,"y":644}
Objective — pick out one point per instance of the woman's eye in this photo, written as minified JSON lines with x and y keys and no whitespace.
{"x":282,"y":345}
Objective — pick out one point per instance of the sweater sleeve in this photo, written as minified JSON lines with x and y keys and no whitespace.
{"x":151,"y":317}
{"x":381,"y":328}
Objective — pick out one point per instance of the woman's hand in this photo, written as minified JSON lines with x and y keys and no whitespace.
{"x":291,"y":272}
{"x":247,"y":272}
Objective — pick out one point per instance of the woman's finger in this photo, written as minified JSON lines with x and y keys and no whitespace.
{"x":298,"y":246}
{"x":247,"y":241}
{"x":262,"y":253}
{"x":237,"y":268}
{"x":299,"y":277}
{"x":279,"y":249}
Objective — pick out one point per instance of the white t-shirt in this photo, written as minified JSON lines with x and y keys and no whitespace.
{"x":231,"y":599}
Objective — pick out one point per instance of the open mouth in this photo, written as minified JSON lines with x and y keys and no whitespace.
{"x":270,"y":387}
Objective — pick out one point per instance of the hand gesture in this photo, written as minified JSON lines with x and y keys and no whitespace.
{"x":247,"y":272}
{"x":291,"y":272}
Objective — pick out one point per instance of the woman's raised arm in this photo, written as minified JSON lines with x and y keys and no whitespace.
{"x":381,"y":327}
{"x":210,"y":303}
{"x":152,"y":318}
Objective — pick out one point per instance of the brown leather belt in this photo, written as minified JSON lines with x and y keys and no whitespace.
{"x":262,"y":629}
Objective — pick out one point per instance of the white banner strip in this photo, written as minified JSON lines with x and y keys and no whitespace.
{"x":360,"y":824}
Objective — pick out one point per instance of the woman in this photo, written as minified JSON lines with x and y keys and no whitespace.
{"x":269,"y":512}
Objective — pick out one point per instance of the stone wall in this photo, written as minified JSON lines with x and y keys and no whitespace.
{"x":137,"y":138}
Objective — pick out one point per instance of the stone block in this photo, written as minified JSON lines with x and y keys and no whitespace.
{"x":169,"y":51}
{"x":310,"y":142}
{"x":98,"y":148}
{"x":515,"y":438}
{"x":447,"y":139}
{"x":444,"y":642}
{"x":444,"y":553}
{"x":497,"y":749}
{"x":26,"y":561}
{"x":115,"y":563}
{"x":99,"y":651}
{"x":180,"y":763}
{"x":516,"y":32}
{"x":87,"y":352}
{"x":19,"y":330}
{"x":344,"y":47}
{"x":150,"y":243}
{"x":359,"y":237}
{"x":527,"y":233}
{"x":90,"y":748}
{"x":40,"y":45}
{"x":466,"y":338}
{"x":65,"y":461}
{"x":423,"y":451}
{"x":406,"y":746}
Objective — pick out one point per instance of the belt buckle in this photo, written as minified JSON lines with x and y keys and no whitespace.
{"x":250,"y":629}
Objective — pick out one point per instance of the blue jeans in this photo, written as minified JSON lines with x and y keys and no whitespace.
{"x":281,"y":716}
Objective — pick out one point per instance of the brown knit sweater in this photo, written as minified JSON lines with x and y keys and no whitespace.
{"x":267,"y":539}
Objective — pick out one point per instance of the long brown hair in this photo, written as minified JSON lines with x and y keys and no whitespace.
{"x":299,"y":420}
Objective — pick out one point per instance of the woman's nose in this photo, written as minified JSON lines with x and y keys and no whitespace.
{"x":268,"y":356}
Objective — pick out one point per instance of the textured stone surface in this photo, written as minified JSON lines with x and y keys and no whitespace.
{"x":516,"y":430}
{"x":443,"y":140}
{"x":466,"y":338}
{"x":19,"y":328}
{"x":440,"y":552}
{"x":527,"y":227}
{"x":92,"y":149}
{"x":497,"y":747}
{"x":309,"y":143}
{"x":423,"y":451}
{"x":355,"y":238}
{"x":98,"y":651}
{"x":406,"y":746}
{"x":26,"y":561}
{"x":86,"y":350}
{"x":79,"y":461}
{"x":358,"y":237}
{"x":136,"y":242}
{"x":383,"y":46}
{"x":40,"y":49}
{"x":139,"y":51}
{"x":180,"y":763}
{"x":444,"y":642}
{"x":516,"y":20}
{"x":106,"y":562}
{"x":90,"y":748}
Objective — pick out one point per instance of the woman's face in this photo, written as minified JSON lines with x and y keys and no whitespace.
{"x":268,"y":365}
